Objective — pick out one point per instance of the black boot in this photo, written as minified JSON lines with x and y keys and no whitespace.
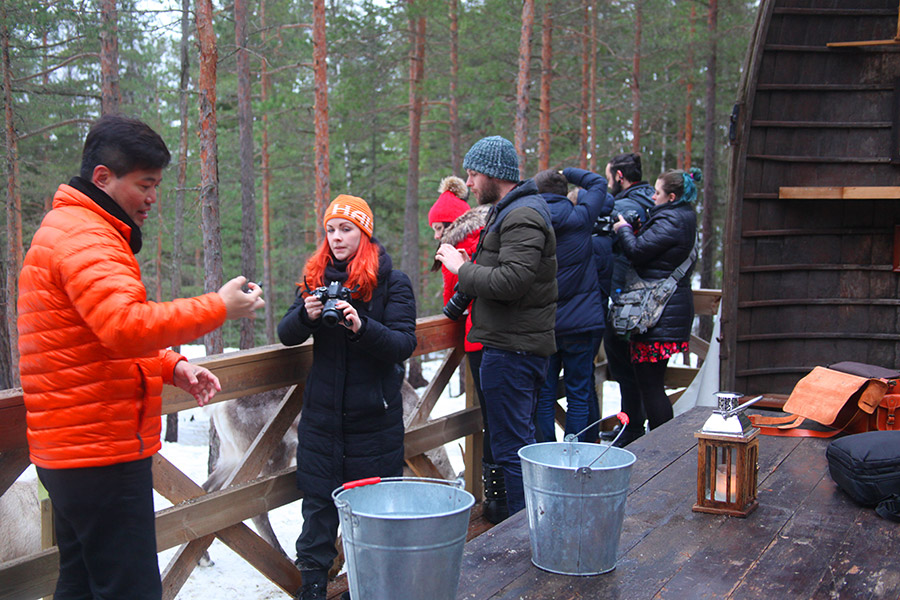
{"x":315,"y":585}
{"x":495,"y":506}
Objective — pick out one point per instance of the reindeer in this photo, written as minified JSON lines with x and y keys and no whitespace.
{"x":238,"y":422}
{"x":20,"y":521}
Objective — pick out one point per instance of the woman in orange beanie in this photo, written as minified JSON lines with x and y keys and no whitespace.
{"x":361,"y":313}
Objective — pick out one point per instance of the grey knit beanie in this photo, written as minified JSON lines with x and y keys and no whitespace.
{"x":494,"y":156}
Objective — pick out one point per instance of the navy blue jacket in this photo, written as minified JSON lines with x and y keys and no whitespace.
{"x":579,"y":306}
{"x":661,"y":245}
{"x":351,"y":426}
{"x":638,"y":197}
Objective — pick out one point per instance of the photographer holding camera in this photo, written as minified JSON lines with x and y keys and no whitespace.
{"x":633,"y":199}
{"x":513,"y":284}
{"x":352,"y":421}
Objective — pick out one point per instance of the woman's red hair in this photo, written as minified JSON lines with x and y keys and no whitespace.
{"x":362,"y":269}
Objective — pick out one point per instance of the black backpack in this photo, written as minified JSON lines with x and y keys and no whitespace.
{"x":867,"y":467}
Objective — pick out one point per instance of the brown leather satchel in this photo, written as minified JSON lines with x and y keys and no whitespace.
{"x":839,"y":401}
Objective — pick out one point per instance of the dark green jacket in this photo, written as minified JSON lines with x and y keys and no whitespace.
{"x":513,"y":278}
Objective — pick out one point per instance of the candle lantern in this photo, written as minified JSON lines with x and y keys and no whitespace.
{"x":728,"y":451}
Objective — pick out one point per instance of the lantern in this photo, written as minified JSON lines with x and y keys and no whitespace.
{"x":727,"y":455}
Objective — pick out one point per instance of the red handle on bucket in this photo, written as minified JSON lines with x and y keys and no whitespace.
{"x":361,"y":482}
{"x":623,"y":418}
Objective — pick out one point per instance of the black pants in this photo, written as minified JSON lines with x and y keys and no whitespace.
{"x":315,"y":546}
{"x":475,"y":369}
{"x":651,"y":384}
{"x":105,"y":530}
{"x":618,"y":354}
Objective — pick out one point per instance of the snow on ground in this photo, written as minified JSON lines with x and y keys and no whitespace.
{"x":230,"y":576}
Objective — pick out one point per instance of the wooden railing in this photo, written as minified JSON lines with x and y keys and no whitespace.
{"x":197,"y":517}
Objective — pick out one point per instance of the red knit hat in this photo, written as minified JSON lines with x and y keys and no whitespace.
{"x":450,"y":203}
{"x":354,"y":209}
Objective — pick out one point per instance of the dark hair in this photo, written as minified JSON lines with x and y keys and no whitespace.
{"x":629,"y":164}
{"x":551,"y":182}
{"x":681,"y":184}
{"x":123,"y":145}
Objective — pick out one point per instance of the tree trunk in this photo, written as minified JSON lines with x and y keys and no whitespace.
{"x":409,"y":262}
{"x":546,"y":77}
{"x":245,"y":128}
{"x":689,"y":93}
{"x":209,"y":163}
{"x":592,"y":148}
{"x":13,"y":208}
{"x":523,"y":83}
{"x":636,"y":78}
{"x":455,"y":142}
{"x":181,"y":181}
{"x":707,"y":229}
{"x":6,"y":366}
{"x":585,"y":83}
{"x":110,"y":95}
{"x":268,"y":283}
{"x":320,"y":67}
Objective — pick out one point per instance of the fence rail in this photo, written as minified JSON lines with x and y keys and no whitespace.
{"x":197,"y":517}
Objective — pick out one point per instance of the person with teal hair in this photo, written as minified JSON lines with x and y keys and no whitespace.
{"x":656,"y":250}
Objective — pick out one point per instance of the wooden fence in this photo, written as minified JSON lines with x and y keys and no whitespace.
{"x":197,"y":517}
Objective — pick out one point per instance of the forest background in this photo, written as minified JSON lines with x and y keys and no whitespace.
{"x":273,"y":107}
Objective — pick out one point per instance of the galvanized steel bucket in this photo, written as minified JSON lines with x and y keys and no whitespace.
{"x":575,"y":511}
{"x":403,"y":536}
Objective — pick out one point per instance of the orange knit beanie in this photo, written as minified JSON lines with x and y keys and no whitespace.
{"x":353,"y":209}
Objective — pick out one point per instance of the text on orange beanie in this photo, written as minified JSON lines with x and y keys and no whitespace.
{"x":353,"y":209}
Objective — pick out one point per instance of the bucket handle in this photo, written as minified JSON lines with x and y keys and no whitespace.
{"x":623,"y":418}
{"x":586,"y":470}
{"x":361,"y":482}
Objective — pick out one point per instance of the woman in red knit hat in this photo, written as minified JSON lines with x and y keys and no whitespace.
{"x":455,"y":223}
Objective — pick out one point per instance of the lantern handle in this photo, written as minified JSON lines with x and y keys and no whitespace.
{"x":738,"y":409}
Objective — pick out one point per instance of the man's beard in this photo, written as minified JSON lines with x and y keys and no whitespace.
{"x":616,"y":187}
{"x":490,"y":194}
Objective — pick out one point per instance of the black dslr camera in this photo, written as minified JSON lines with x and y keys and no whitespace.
{"x":457,"y":304}
{"x":329,"y":296}
{"x":604,"y":224}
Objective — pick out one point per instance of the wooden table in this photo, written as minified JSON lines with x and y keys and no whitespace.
{"x":807,"y":539}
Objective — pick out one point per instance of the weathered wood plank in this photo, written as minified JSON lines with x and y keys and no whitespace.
{"x":840,"y":193}
{"x":440,"y":431}
{"x":31,"y":576}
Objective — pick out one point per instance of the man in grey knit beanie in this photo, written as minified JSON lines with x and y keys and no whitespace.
{"x":512,"y":283}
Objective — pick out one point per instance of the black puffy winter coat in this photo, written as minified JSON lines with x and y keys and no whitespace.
{"x":660,"y":246}
{"x":351,"y":426}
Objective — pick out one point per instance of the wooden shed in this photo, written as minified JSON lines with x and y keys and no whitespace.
{"x":812,"y":239}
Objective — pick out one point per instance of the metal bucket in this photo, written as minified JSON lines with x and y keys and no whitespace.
{"x":403,"y":536}
{"x":575,"y":512}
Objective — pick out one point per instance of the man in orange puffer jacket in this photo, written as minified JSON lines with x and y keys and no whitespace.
{"x":92,"y":367}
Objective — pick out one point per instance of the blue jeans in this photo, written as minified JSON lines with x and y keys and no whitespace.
{"x":511,"y":382}
{"x":574,"y":354}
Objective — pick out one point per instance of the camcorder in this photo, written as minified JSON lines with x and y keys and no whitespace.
{"x":457,"y":304}
{"x":604,"y":224}
{"x":329,"y":295}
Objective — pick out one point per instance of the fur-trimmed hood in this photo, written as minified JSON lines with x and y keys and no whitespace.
{"x":465,"y":224}
{"x":462,"y":227}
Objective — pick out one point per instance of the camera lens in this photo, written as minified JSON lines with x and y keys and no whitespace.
{"x":457,"y":305}
{"x":331,"y":316}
